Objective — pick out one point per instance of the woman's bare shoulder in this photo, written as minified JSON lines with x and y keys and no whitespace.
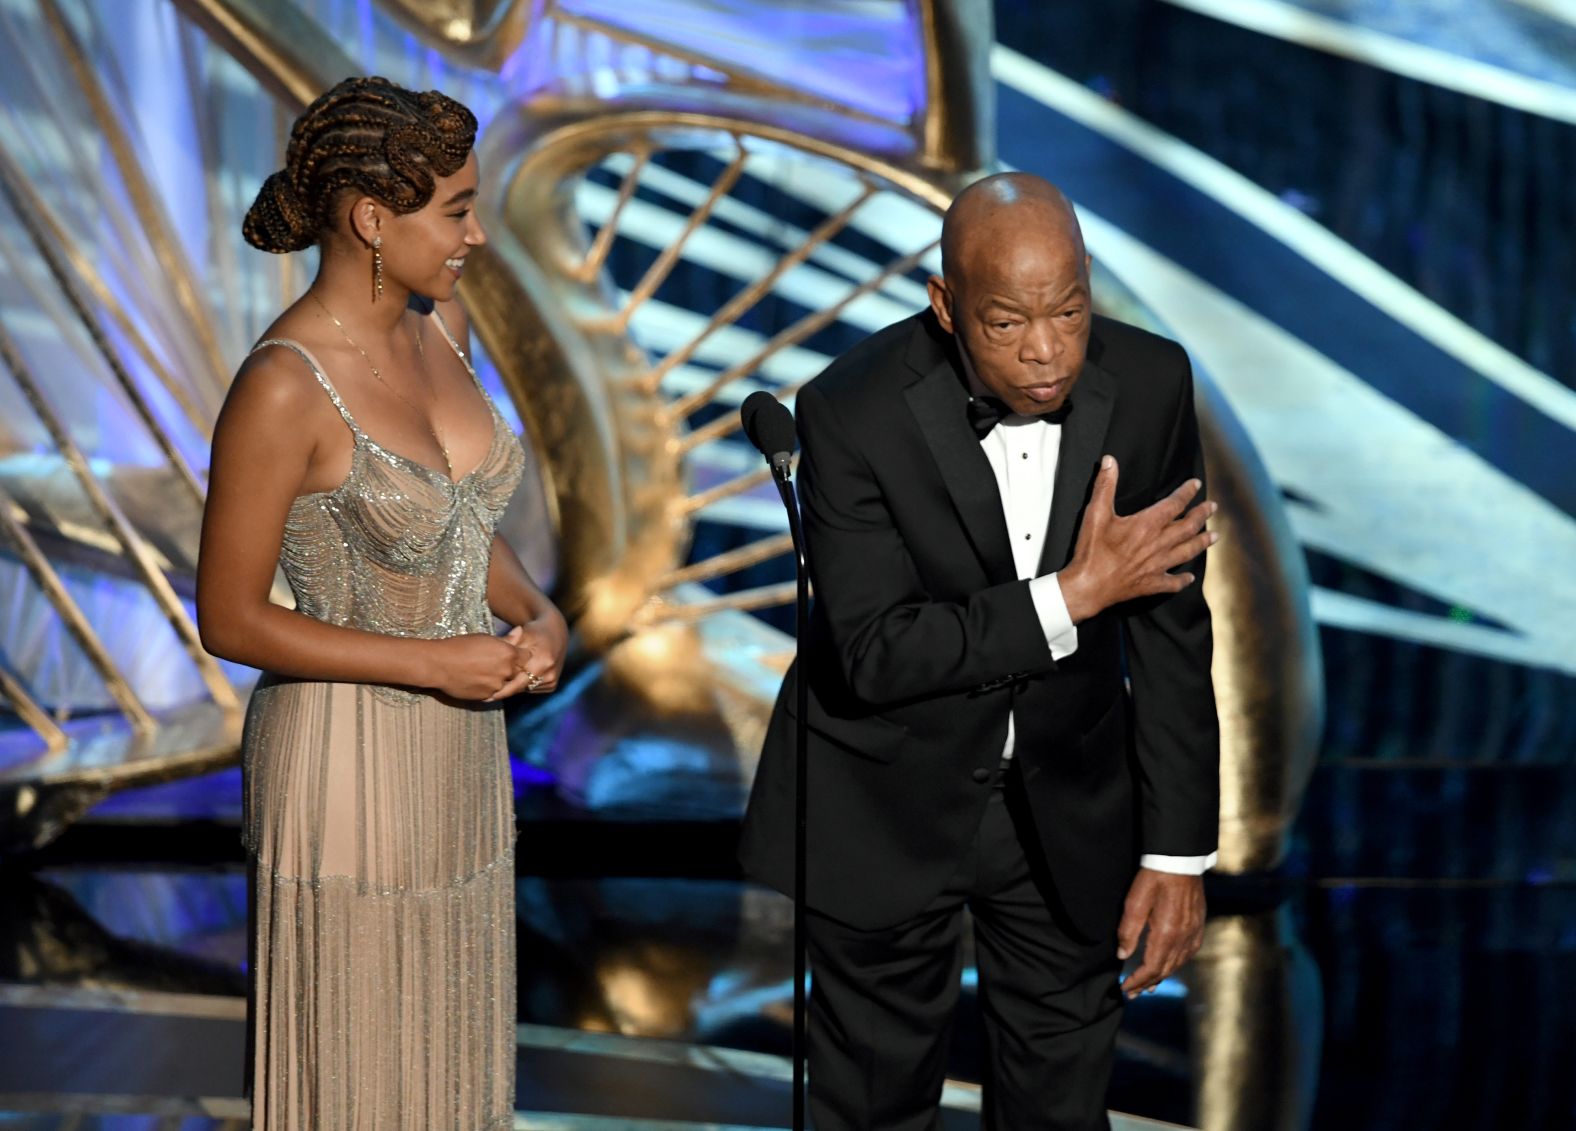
{"x":277,"y":383}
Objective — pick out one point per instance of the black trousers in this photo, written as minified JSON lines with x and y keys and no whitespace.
{"x":881,"y":1002}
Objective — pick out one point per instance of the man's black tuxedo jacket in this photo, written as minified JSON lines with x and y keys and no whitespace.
{"x":923,"y":640}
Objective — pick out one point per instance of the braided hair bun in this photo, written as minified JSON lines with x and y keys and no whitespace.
{"x":366,"y":136}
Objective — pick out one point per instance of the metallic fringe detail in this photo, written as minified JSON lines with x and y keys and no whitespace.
{"x":362,"y":890}
{"x":385,"y":1012}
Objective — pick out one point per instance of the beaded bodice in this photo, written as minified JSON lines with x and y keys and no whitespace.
{"x":398,"y":548}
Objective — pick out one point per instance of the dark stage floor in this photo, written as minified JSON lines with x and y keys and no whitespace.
{"x":1343,"y":997}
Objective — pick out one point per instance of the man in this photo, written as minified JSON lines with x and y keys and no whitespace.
{"x":973,"y":743}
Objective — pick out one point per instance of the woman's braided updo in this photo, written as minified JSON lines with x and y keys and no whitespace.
{"x":366,"y":135}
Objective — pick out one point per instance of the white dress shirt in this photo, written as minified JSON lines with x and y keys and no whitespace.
{"x":1023,"y":453}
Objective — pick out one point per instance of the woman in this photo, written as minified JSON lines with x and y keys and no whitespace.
{"x":357,"y":450}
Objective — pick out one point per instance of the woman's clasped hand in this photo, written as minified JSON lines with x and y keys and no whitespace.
{"x":484,"y":668}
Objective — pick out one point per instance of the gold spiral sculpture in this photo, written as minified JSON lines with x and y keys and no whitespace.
{"x":619,"y":390}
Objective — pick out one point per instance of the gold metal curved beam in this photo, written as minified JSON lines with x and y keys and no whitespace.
{"x":536,"y":163}
{"x":72,"y":617}
{"x":957,"y":126}
{"x":1267,"y":676}
{"x":483,"y":33}
{"x":279,"y":45}
{"x":132,"y":544}
{"x":738,"y":485}
{"x":731,"y":561}
{"x":72,"y":274}
{"x":144,"y":200}
{"x":28,"y":710}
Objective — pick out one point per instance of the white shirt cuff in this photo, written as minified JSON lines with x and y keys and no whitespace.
{"x":1178,"y":865}
{"x":1060,"y":631}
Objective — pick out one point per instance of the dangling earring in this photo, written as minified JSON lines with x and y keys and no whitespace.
{"x":377,"y":268}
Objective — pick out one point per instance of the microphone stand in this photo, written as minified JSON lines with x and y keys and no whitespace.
{"x":782,"y":472}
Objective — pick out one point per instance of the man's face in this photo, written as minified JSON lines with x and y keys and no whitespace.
{"x":1019,"y":304}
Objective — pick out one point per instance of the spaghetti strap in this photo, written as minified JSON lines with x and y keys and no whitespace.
{"x":459,"y":353}
{"x":317,"y":371}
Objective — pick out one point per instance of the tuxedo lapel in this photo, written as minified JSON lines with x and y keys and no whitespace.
{"x":939,"y":403}
{"x":1083,"y":437}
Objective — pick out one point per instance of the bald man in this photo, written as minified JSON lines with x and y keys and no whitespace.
{"x":1010,"y":708}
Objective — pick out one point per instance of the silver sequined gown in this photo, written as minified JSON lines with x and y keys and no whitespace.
{"x":381,"y":823}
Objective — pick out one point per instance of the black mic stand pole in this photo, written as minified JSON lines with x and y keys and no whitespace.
{"x":782,"y":472}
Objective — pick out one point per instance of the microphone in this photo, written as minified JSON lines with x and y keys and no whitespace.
{"x":769,"y":426}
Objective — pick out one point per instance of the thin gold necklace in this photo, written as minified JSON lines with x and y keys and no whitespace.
{"x":425,"y":419}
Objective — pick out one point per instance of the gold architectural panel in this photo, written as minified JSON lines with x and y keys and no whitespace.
{"x":1266,"y":667}
{"x":482,"y":32}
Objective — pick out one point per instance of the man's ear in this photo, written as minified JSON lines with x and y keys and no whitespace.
{"x":940,"y":301}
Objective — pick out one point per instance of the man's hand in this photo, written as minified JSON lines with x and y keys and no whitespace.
{"x":1172,"y":908}
{"x":1118,"y":559}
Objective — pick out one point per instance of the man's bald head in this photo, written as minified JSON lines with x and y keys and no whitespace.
{"x":1004,"y":208}
{"x":1014,"y":289}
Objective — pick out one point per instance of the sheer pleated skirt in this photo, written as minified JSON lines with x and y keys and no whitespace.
{"x":381,"y":830}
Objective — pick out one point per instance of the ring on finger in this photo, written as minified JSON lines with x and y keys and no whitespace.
{"x":532,"y":680}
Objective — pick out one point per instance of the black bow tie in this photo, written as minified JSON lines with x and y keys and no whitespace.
{"x":986,"y":412}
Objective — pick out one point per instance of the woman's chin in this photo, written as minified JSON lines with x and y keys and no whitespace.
{"x":439,"y":290}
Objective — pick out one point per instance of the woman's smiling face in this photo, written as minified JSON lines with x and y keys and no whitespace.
{"x":425,"y":250}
